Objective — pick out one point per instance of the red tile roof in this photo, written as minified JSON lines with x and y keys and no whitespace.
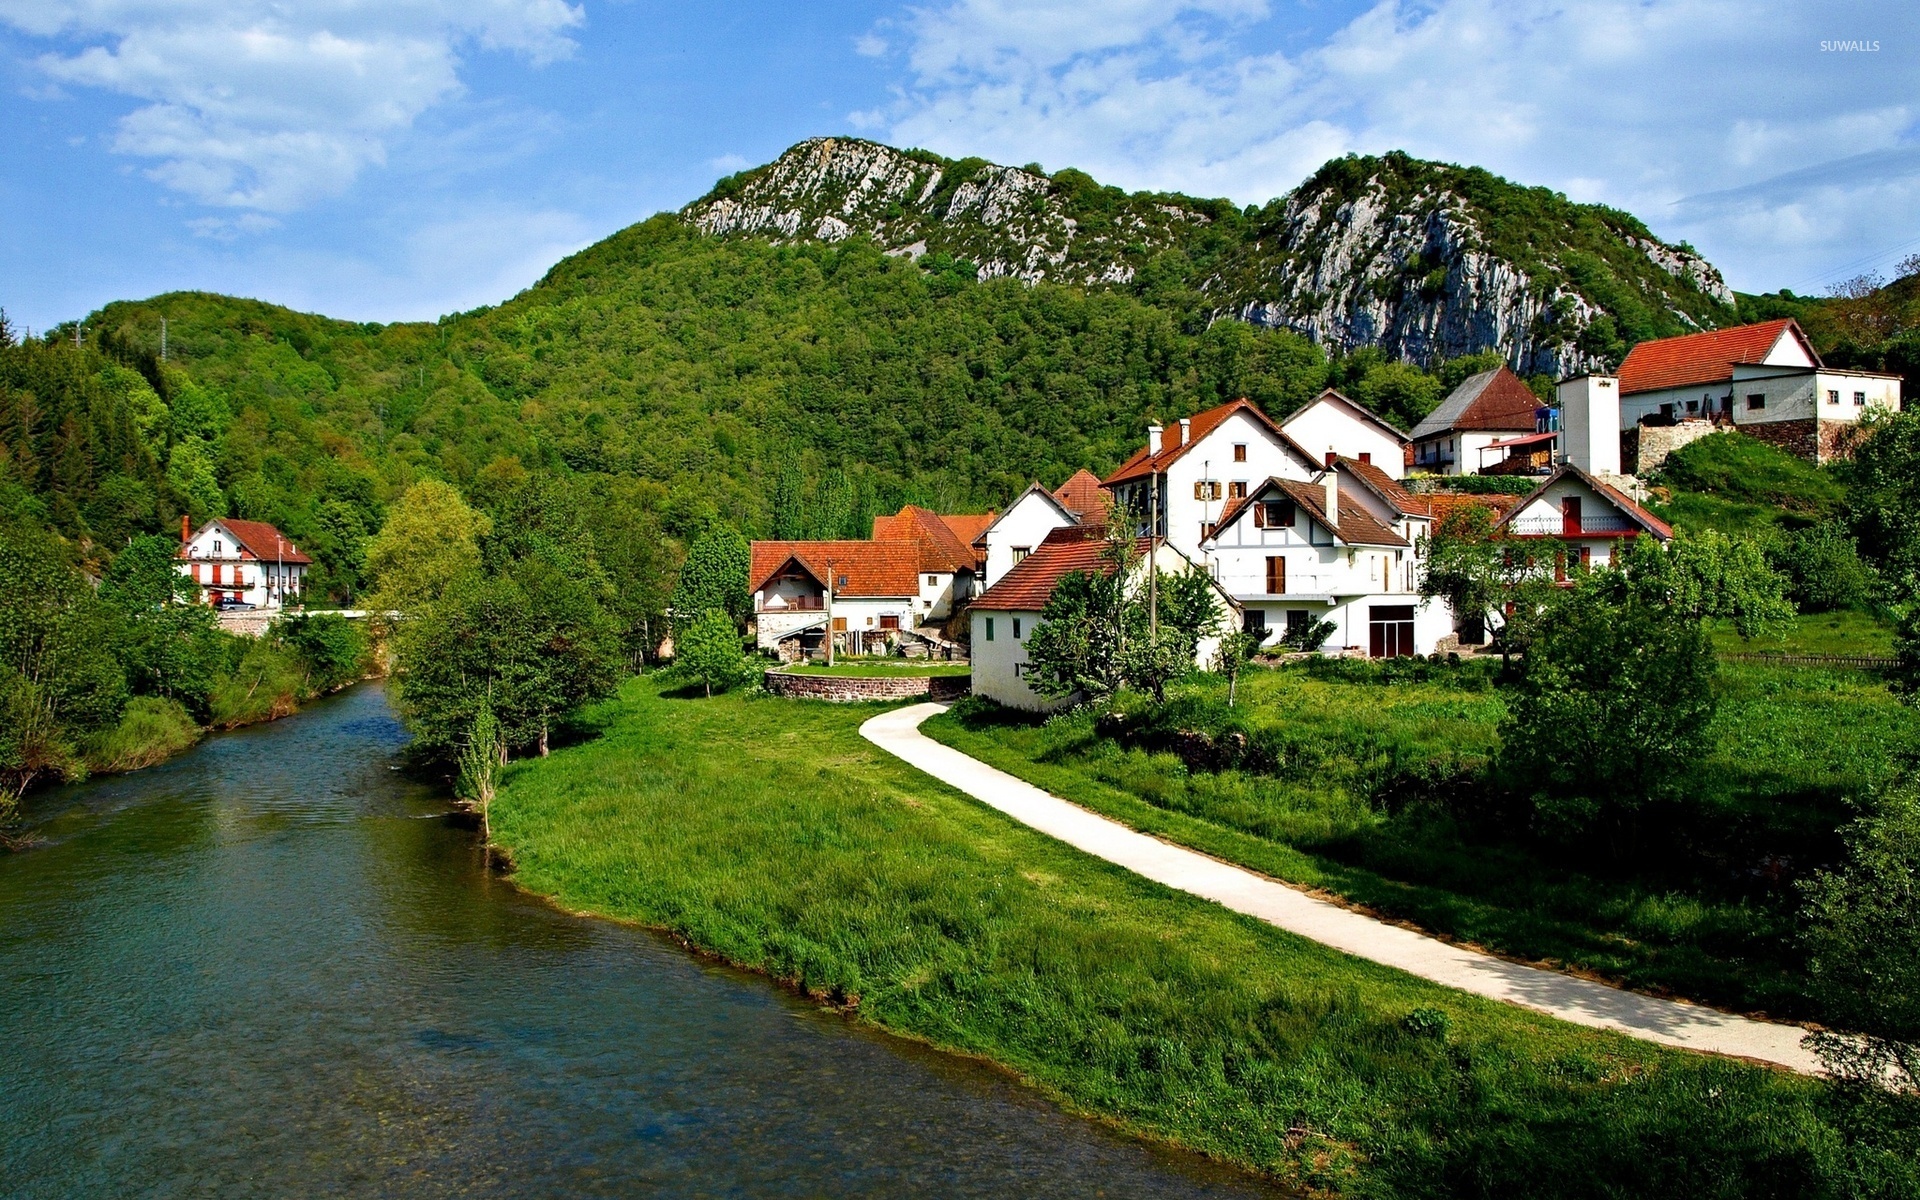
{"x":1030,"y":584}
{"x":1494,"y":400}
{"x":1203,"y":423}
{"x":1386,"y":487}
{"x":1704,"y":357}
{"x":1354,"y":525}
{"x":1444,"y":504}
{"x":871,"y":569}
{"x":259,"y":540}
{"x":1081,"y":495}
{"x":968,"y":526}
{"x":941,"y":547}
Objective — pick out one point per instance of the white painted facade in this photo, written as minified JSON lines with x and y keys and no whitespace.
{"x":1241,"y":451}
{"x":1331,"y":422}
{"x":226,"y":573}
{"x":1569,"y":523}
{"x":1019,"y":531}
{"x":1323,"y":577}
{"x":999,"y":642}
{"x":1590,"y":422}
{"x":1785,"y":385}
{"x":1458,"y":452}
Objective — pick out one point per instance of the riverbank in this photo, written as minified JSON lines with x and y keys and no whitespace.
{"x":767,"y":833}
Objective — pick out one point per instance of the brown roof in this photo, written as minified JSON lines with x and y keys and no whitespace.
{"x":941,"y":548}
{"x":1203,"y":423}
{"x":1081,"y":495}
{"x":884,"y":568}
{"x":1354,"y":524}
{"x":1704,"y":357}
{"x":1444,"y":504}
{"x":1030,"y":584}
{"x":968,"y":526}
{"x":259,"y":540}
{"x":1387,"y":488}
{"x":1607,"y":492}
{"x":1495,"y":400}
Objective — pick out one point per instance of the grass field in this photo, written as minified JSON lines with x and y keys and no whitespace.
{"x":883,"y":668}
{"x":1374,"y":802}
{"x":1843,"y":632}
{"x":768,"y":832}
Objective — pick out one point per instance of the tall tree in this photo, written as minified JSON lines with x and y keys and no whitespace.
{"x":714,"y":576}
{"x":430,"y":540}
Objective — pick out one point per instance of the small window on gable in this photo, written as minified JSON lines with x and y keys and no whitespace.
{"x":1020,"y":552}
{"x":216,"y":545}
{"x":1239,"y":452}
{"x":1756,"y":400}
{"x":1206,"y":489}
{"x":1273,"y":514}
{"x":933,"y":581}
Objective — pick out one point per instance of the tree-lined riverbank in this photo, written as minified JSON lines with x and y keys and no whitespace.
{"x":766,"y":832}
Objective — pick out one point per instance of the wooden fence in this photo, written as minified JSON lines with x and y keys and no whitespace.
{"x":1870,"y":662}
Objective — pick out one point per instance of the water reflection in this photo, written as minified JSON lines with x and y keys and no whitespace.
{"x":271,"y":968}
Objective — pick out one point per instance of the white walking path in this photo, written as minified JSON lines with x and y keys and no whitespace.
{"x":1580,"y":1001}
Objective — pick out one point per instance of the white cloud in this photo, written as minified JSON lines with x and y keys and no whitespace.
{"x":1636,"y":103}
{"x":266,"y":105}
{"x":727,"y":164}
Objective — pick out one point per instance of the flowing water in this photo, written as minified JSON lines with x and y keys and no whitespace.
{"x":274,"y":967}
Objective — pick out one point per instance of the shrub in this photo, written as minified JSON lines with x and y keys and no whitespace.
{"x":266,"y":683}
{"x":707,"y":654}
{"x":1824,"y":569}
{"x":151,"y":730}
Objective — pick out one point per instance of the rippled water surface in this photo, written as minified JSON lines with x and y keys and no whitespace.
{"x":272,"y":968}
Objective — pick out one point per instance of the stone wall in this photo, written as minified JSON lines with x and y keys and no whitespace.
{"x":1644,"y":448}
{"x":847,"y":688}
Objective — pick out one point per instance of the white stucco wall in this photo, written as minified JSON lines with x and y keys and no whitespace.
{"x":1327,"y":423}
{"x":1026,"y":523}
{"x":1212,"y":459}
{"x":1316,"y":564}
{"x":1793,"y":396}
{"x":999,"y":659}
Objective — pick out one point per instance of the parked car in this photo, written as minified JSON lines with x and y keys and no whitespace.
{"x":234,"y":606}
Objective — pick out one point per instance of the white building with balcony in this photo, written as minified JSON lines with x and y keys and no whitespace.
{"x":238,"y":564}
{"x":1576,"y":519}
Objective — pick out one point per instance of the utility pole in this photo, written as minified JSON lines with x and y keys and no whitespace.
{"x":1153,"y":566}
{"x":829,"y":612}
{"x":163,"y":339}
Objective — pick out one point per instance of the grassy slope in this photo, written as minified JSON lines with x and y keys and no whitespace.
{"x":1345,"y":821}
{"x":767,"y":832}
{"x":1843,"y":632}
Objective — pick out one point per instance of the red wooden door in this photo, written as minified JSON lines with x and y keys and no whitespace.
{"x":1570,"y":514}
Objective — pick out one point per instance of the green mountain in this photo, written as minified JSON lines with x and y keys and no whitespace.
{"x":1423,"y":260}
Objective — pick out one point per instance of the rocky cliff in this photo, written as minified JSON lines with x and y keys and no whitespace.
{"x":1425,"y":261}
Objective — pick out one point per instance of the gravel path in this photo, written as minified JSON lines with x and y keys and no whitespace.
{"x":1581,"y":1001}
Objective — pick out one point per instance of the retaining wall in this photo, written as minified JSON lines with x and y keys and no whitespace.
{"x":848,"y":688}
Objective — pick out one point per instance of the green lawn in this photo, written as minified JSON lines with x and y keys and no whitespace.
{"x":1843,"y":632}
{"x":882,"y":668}
{"x":771,"y":834}
{"x":1379,"y":797}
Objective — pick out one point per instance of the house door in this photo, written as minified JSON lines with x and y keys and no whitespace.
{"x":1570,"y":514}
{"x":1276,"y":576}
{"x":1390,"y":629}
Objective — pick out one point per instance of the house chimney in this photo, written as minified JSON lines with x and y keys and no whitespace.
{"x":186,"y":530}
{"x":1331,"y":482}
{"x":1333,"y":457}
{"x":1153,"y":439}
{"x":1186,"y":431}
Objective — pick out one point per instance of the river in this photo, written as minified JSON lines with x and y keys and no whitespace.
{"x":275,"y":967}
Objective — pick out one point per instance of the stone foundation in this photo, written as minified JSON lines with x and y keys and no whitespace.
{"x":842,"y":689}
{"x":1644,"y":448}
{"x":1815,"y":440}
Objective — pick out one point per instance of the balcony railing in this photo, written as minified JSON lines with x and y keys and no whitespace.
{"x":1599,"y":525}
{"x":792,"y":604}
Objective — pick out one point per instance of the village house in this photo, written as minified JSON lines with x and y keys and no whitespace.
{"x":1004,"y":617}
{"x":1013,"y":534}
{"x":1577,"y":519}
{"x":1765,"y":379}
{"x":239,"y":564}
{"x":1331,"y":425}
{"x":1479,"y":425}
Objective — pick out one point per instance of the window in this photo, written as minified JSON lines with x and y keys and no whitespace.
{"x":1756,"y":400}
{"x":839,"y":624}
{"x":1239,"y":452}
{"x":1016,"y":629}
{"x":1020,"y":552}
{"x":989,"y":628}
{"x":933,"y":581}
{"x":1366,"y":456}
{"x":1390,"y":627}
{"x":1833,"y":397}
{"x":1693,"y":406}
{"x":1298,"y":619}
{"x":1254,"y":620}
{"x":216,"y":545}
{"x":1273,"y":514}
{"x":1859,"y":399}
{"x":1666,"y":412}
{"x":1276,"y":575}
{"x":1237,"y":490}
{"x":890,"y":621}
{"x":1206,"y":489}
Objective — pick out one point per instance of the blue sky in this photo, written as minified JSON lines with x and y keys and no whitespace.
{"x":398,"y":159}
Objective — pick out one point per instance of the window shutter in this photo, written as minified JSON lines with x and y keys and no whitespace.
{"x":1260,"y":515}
{"x":1199,"y":489}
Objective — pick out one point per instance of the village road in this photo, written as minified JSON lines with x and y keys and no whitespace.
{"x":1581,"y":1001}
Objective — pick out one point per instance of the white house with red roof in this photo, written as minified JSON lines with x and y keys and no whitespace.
{"x":1004,"y":617}
{"x":1486,"y":413}
{"x":1764,"y":379}
{"x":242,"y":564}
{"x":1577,"y":519}
{"x":1012,"y":535}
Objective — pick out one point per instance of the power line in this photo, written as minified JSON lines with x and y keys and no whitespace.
{"x":1855,"y":264}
